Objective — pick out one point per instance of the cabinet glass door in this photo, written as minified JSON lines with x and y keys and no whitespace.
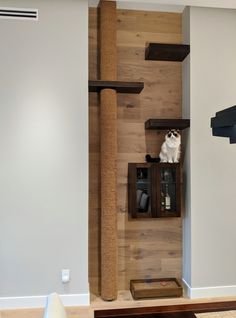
{"x":168,"y":189}
{"x":143,"y":190}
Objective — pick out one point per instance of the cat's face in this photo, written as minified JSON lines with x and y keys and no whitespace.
{"x":173,"y":136}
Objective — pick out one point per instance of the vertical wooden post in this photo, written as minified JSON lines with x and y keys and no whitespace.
{"x":108,"y":149}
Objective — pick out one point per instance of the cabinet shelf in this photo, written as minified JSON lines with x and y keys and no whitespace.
{"x":166,"y":52}
{"x":165,"y":124}
{"x":119,"y":86}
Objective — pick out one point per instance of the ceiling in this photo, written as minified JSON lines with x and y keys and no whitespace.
{"x":143,"y":5}
{"x":169,"y":5}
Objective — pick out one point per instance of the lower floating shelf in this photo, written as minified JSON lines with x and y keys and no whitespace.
{"x":119,"y":86}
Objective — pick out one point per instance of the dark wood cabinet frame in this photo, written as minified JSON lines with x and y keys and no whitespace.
{"x":155,"y":190}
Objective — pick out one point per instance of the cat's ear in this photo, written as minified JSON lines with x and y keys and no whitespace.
{"x":178,"y":131}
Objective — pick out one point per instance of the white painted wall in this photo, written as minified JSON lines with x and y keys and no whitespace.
{"x":186,"y":155}
{"x":212,"y":210}
{"x":44,"y":149}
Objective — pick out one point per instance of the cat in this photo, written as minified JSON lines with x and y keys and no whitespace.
{"x":170,"y":149}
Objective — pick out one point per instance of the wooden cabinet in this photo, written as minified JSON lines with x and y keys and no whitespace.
{"x":154,"y":190}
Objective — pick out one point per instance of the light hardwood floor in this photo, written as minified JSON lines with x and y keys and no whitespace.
{"x":124,"y":300}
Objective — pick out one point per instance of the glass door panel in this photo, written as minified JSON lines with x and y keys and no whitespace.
{"x":168,"y":199}
{"x":143,"y":190}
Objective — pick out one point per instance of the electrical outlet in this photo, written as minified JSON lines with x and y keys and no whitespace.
{"x":65,"y":276}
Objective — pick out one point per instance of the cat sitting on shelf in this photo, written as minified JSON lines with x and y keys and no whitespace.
{"x":170,"y":149}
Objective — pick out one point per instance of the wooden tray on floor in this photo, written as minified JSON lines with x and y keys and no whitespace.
{"x":155,"y":288}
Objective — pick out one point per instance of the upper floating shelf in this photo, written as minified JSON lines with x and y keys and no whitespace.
{"x":166,"y":52}
{"x":224,"y":124}
{"x":119,"y":86}
{"x":165,"y":124}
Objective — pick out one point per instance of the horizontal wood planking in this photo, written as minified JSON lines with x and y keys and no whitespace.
{"x":138,"y":39}
{"x":147,"y":248}
{"x":148,"y":21}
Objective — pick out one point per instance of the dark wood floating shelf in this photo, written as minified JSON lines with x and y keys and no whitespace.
{"x":167,"y":52}
{"x":165,"y":124}
{"x":119,"y":86}
{"x":224,"y":124}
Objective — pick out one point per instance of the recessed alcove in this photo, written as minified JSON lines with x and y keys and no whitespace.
{"x":147,"y":248}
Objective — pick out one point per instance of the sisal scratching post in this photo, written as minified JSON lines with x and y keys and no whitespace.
{"x":108,"y":128}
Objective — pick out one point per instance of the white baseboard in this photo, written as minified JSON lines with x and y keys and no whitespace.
{"x":209,"y":292}
{"x":40,"y":301}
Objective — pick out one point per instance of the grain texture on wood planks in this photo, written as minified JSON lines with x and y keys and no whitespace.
{"x":147,"y":248}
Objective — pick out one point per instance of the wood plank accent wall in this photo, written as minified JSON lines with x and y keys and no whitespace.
{"x":147,"y":248}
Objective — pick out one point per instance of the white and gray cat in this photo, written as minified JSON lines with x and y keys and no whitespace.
{"x":170,"y":149}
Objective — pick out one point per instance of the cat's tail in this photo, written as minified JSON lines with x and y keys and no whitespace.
{"x":149,"y":158}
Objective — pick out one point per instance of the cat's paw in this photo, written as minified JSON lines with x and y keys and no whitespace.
{"x":170,"y":161}
{"x":176,"y":161}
